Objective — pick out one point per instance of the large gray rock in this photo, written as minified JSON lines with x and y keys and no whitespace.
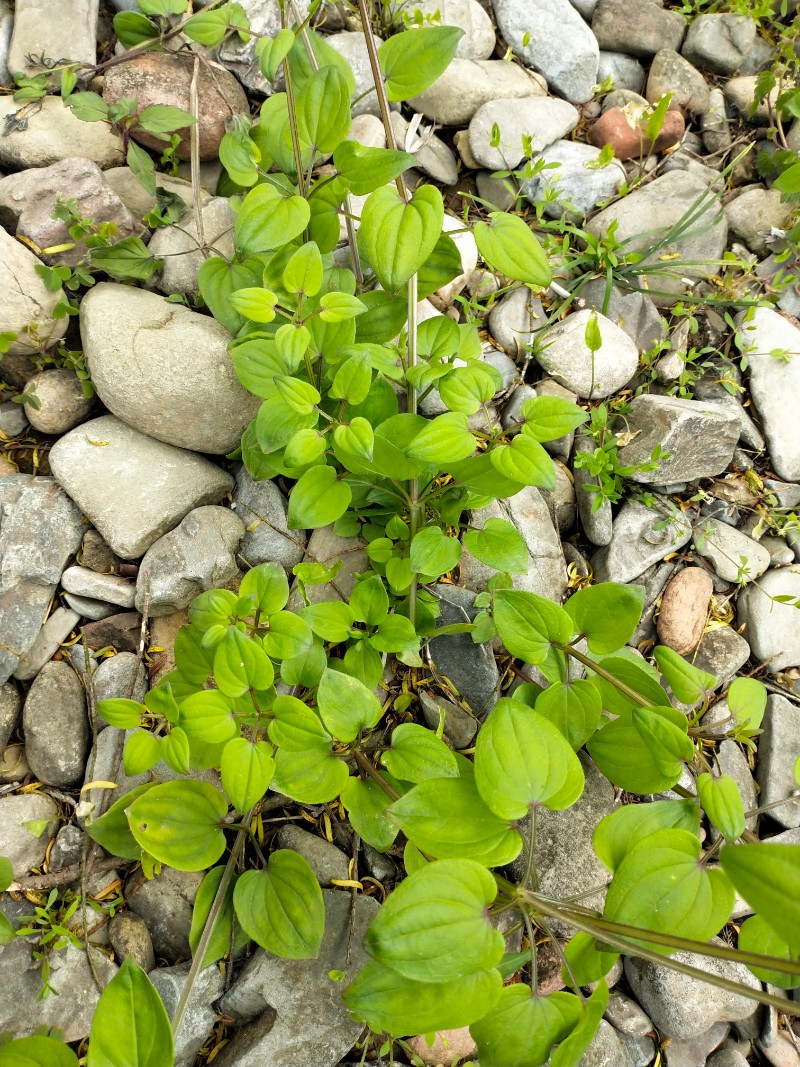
{"x":457,"y":94}
{"x":47,"y":131}
{"x":566,"y":357}
{"x":165,"y":903}
{"x":699,"y":438}
{"x":778,"y":747}
{"x":133,"y":489}
{"x":719,"y":43}
{"x":513,"y":319}
{"x":683,"y":1007}
{"x":325,"y":860}
{"x":199,"y":554}
{"x":120,"y":676}
{"x":292,"y":1013}
{"x":469,"y":667}
{"x":551,"y":37}
{"x":263,"y":509}
{"x":85,"y":582}
{"x":634,"y":312}
{"x":755,"y":214}
{"x":733,"y":761}
{"x":180,"y":246}
{"x":770,"y":626}
{"x":164,"y":369}
{"x":693,"y":1051}
{"x":625,"y":71}
{"x":26,"y":306}
{"x":772,"y":344}
{"x":40,"y":528}
{"x":479,"y":38}
{"x":543,"y":119}
{"x":607,"y":1049}
{"x":640,"y":537}
{"x":264,"y":17}
{"x":200,"y":1016}
{"x":637,"y":27}
{"x":57,"y":629}
{"x":65,"y":32}
{"x":18,"y":844}
{"x":55,"y":725}
{"x":572,"y":188}
{"x":734,"y":556}
{"x":671,"y":73}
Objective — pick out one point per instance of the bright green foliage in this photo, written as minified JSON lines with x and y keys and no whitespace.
{"x":219,"y":944}
{"x":756,"y":935}
{"x":498,"y":544}
{"x":616,"y":834}
{"x":130,"y":1026}
{"x":179,"y":823}
{"x":522,"y":1029}
{"x":722,"y":803}
{"x":606,"y":615}
{"x":508,"y":246}
{"x":411,"y":61}
{"x":37,"y":1051}
{"x":767,"y":876}
{"x":688,"y":683}
{"x":281,"y":908}
{"x":398,"y":237}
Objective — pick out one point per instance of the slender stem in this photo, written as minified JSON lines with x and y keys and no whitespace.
{"x":194,"y":148}
{"x":291,"y":104}
{"x":366,"y":766}
{"x":412,"y":356}
{"x":603,"y":673}
{"x":532,"y":939}
{"x":380,"y":89}
{"x":531,"y":880}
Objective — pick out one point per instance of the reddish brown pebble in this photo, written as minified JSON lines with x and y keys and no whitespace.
{"x":627,"y":136}
{"x":120,"y":631}
{"x":684,"y":609}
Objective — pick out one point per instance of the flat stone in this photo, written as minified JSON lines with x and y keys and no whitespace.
{"x":26,"y":306}
{"x":625,"y":71}
{"x":48,"y":132}
{"x":55,"y":725}
{"x":140,"y":202}
{"x":734,"y":556}
{"x":200,"y":1017}
{"x":772,"y":380}
{"x":85,"y":582}
{"x":551,"y":37}
{"x":121,"y":631}
{"x":684,"y":609}
{"x":459,"y":724}
{"x":754,"y":214}
{"x":626,"y":1016}
{"x":714,"y":123}
{"x":513,"y":319}
{"x":197,"y":555}
{"x":470,"y":668}
{"x":637,"y":27}
{"x":565,"y":356}
{"x":40,"y":528}
{"x":740,"y":94}
{"x":88,"y":608}
{"x":672,"y":73}
{"x":279,"y":999}
{"x":61,"y":400}
{"x":572,"y":188}
{"x":636,"y":543}
{"x":325,"y":860}
{"x":166,"y":78}
{"x":607,"y":1049}
{"x":693,"y":1051}
{"x":699,"y":437}
{"x":164,"y":369}
{"x":63,"y":33}
{"x":114,"y":676}
{"x":180,"y":246}
{"x":132,"y":488}
{"x":543,"y":119}
{"x":467,"y":84}
{"x":165,"y":903}
{"x":56,"y":630}
{"x":67,"y":847}
{"x":727,"y":1057}
{"x":479,"y":38}
{"x":6,"y":27}
{"x":770,"y":626}
{"x":720,"y":42}
{"x":97,"y":555}
{"x":129,"y":936}
{"x":778,"y":746}
{"x":23,"y":849}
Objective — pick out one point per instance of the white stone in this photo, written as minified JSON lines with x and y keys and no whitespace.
{"x":770,"y":626}
{"x":26,"y":306}
{"x":479,"y":38}
{"x":542,"y":119}
{"x":57,"y":629}
{"x":573,"y":188}
{"x":65,"y":32}
{"x":45,"y":131}
{"x":454,"y":97}
{"x":180,"y":246}
{"x":565,"y":355}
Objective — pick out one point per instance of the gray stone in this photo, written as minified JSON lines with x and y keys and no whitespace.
{"x":778,"y":746}
{"x":10,"y":707}
{"x":13,"y":420}
{"x":636,"y":543}
{"x":27,"y":200}
{"x":740,"y":93}
{"x":727,"y":1057}
{"x":263,"y":509}
{"x":264,"y":17}
{"x":129,"y":936}
{"x":671,"y":73}
{"x":782,"y":1052}
{"x":479,"y":39}
{"x":292,"y":1012}
{"x":682,"y":1007}
{"x":786,"y":494}
{"x":699,"y":438}
{"x":773,"y":378}
{"x":132,"y":488}
{"x":88,"y":608}
{"x":561,"y":447}
{"x":754,"y":214}
{"x":97,"y":555}
{"x":512,"y":412}
{"x":26,"y":306}
{"x":354,"y":49}
{"x":771,"y":627}
{"x":164,"y":369}
{"x":641,"y":1051}
{"x":467,"y":84}
{"x":40,"y":528}
{"x":114,"y":675}
{"x":22,"y":848}
{"x":596,"y":518}
{"x":693,"y":1051}
{"x":198,"y":555}
{"x":460,"y":725}
{"x":513,"y":319}
{"x":63,"y":33}
{"x":719,"y":43}
{"x":565,"y":355}
{"x":664,"y":202}
{"x":721,"y":652}
{"x":734,"y":556}
{"x":6,"y":25}
{"x":67,"y":847}
{"x":495,"y":191}
{"x":56,"y":630}
{"x":61,"y":399}
{"x":561,"y":501}
{"x":624,"y":71}
{"x":324,"y":859}
{"x":55,"y":725}
{"x":780,"y":554}
{"x":165,"y":903}
{"x":714,"y":123}
{"x":546,"y":572}
{"x":469,"y":667}
{"x":732,"y":761}
{"x":626,"y":1016}
{"x":572,"y":188}
{"x":140,"y":202}
{"x":551,"y":37}
{"x":637,"y":27}
{"x":85,"y":582}
{"x":543,"y":119}
{"x":431,"y":154}
{"x":181,"y":247}
{"x":325,"y":546}
{"x":504,"y":365}
{"x":606,"y":1049}
{"x":72,"y":1011}
{"x":633,"y":312}
{"x":200,"y":1016}
{"x":47,"y":132}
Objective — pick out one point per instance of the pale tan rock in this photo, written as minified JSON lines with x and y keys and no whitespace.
{"x":684,"y":608}
{"x":449,"y":1046}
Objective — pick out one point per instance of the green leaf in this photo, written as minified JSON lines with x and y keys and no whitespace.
{"x":434,"y":926}
{"x":756,"y":935}
{"x":413,"y":60}
{"x":366,"y":169}
{"x":257,"y":305}
{"x":176,"y":750}
{"x":447,"y":818}
{"x":240,"y":664}
{"x":130,"y":1027}
{"x":323,"y":109}
{"x":352,"y":379}
{"x":606,"y":614}
{"x":434,"y":553}
{"x":240,"y":156}
{"x":338,"y":307}
{"x":208,"y":716}
{"x":688,"y":683}
{"x":311,"y":776}
{"x":722,"y":803}
{"x":303,"y":272}
{"x":369,"y":601}
{"x":318,"y":498}
{"x":271,"y":52}
{"x":305,"y":669}
{"x":346,"y":706}
{"x":660,"y":886}
{"x":179,"y":823}
{"x":747,"y":701}
{"x":142,"y":752}
{"x":288,"y":636}
{"x":616,"y":834}
{"x":522,"y":1029}
{"x":281,"y":908}
{"x":112,"y":830}
{"x":331,"y":620}
{"x":207,"y":27}
{"x":550,"y":417}
{"x":6,"y":874}
{"x":366,"y":805}
{"x":219,"y":944}
{"x":218,"y":280}
{"x":141,"y":163}
{"x":398,"y":237}
{"x":162,"y":8}
{"x":445,"y":439}
{"x":499,"y":544}
{"x":128,"y":258}
{"x":572,"y":1049}
{"x":466,"y":388}
{"x":125,"y":714}
{"x":767,"y":876}
{"x":295,"y":726}
{"x":587,"y":961}
{"x":89,"y":107}
{"x":416,"y":755}
{"x":386,"y":1001}
{"x":522,"y":759}
{"x":268,"y":584}
{"x":132,"y":28}
{"x":160,"y":119}
{"x":37,"y":1051}
{"x":529,"y":624}
{"x":269,"y":219}
{"x":247,"y":768}
{"x":524,"y":461}
{"x":574,"y":708}
{"x":667,"y":739}
{"x":629,"y":667}
{"x":508,"y":246}
{"x":628,"y":760}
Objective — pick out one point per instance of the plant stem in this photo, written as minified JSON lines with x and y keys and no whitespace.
{"x":366,"y":766}
{"x":606,"y":675}
{"x":291,"y":104}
